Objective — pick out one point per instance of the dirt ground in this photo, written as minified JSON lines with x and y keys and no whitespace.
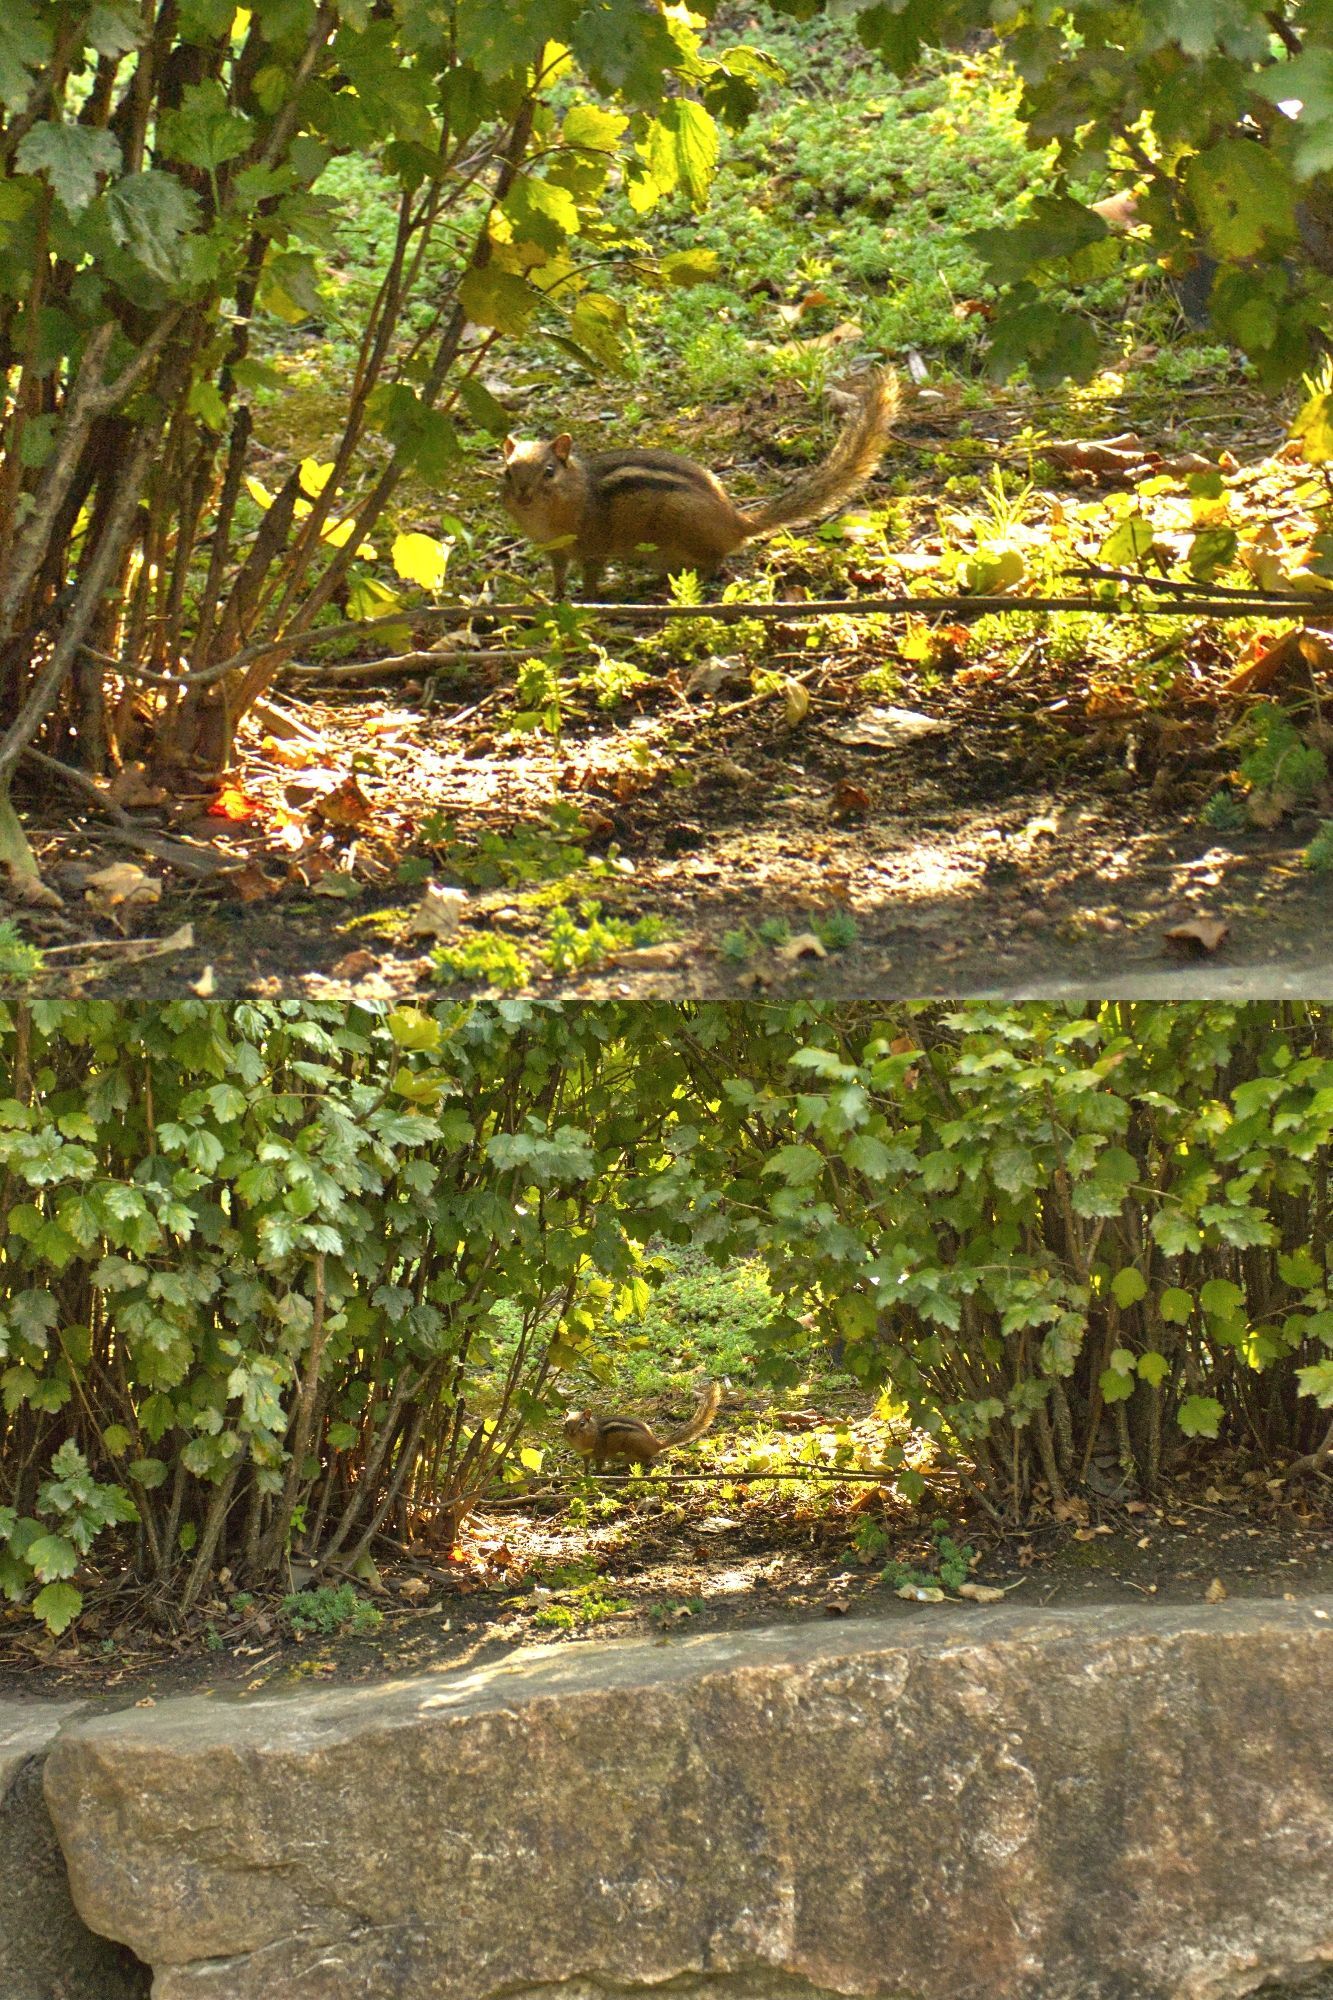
{"x":1034,"y":822}
{"x":679,"y":1556}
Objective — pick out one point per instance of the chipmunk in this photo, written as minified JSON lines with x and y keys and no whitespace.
{"x":665,"y":510}
{"x":600,"y":1438}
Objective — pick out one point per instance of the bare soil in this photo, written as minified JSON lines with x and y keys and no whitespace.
{"x":678,"y":1555}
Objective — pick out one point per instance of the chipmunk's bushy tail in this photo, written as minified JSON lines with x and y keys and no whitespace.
{"x":709,"y":1405}
{"x":845,"y":470}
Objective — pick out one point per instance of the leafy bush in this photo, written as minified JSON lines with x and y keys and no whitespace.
{"x":1028,"y":1223}
{"x":254,"y":1262}
{"x":282,"y":1277}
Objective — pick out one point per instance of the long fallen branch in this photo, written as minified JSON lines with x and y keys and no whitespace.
{"x":1261,"y":604}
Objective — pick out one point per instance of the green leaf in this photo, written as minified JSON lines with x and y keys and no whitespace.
{"x":1317,"y":1382}
{"x":1305,"y":80}
{"x":1128,"y":1286}
{"x":869,"y":1156}
{"x":1244,"y":197}
{"x":797,"y":1165}
{"x":148,"y":215}
{"x":1200,"y":26}
{"x":591,"y":125}
{"x":496,"y":40}
{"x":682,"y":148}
{"x":1220,"y":1298}
{"x":25,"y":43}
{"x":1115,"y":1386}
{"x":541,"y":212}
{"x":58,"y":1606}
{"x":485,"y":410}
{"x":113,"y":30}
{"x":289,"y":287}
{"x":1154,"y":1367}
{"x":1199,"y":1416}
{"x":698,"y":266}
{"x":204,"y":131}
{"x":492,"y":296}
{"x":1313,"y":425}
{"x":598,"y":324}
{"x":425,"y":439}
{"x":1212,"y":550}
{"x":626,"y":47}
{"x":1176,"y":1305}
{"x":73,"y":158}
{"x":1300,"y":1268}
{"x":1129,"y":544}
{"x":53,"y":1557}
{"x":892,"y":29}
{"x":1244,"y":1227}
{"x":1054,"y":229}
{"x":1175,"y":1232}
{"x":1013,"y":1167}
{"x":1050,"y":340}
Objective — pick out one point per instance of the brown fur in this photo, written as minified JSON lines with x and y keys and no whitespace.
{"x":667,"y":511}
{"x":601,"y":1438}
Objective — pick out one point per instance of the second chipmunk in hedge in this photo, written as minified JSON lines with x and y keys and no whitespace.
{"x":658,"y":508}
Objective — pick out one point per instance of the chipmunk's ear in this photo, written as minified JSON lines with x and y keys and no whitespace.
{"x":562,"y":446}
{"x":509,"y":447}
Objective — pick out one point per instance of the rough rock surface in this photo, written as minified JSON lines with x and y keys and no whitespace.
{"x":1107,"y":1804}
{"x":46,"y":1951}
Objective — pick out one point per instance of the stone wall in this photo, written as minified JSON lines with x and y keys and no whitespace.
{"x":46,"y":1951}
{"x":1110,"y":1804}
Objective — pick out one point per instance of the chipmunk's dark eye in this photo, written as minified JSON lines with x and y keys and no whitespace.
{"x":550,"y":471}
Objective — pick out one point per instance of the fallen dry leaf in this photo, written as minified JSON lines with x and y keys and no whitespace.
{"x":1215,"y":1592}
{"x":121,"y":885}
{"x":439,"y":913}
{"x":131,"y":787}
{"x":850,"y":798}
{"x":841,"y":335}
{"x":649,"y":957}
{"x":251,"y":885}
{"x":804,"y":945}
{"x":1125,"y":456}
{"x":345,"y":805}
{"x":889,"y":728}
{"x":1293,"y":649}
{"x":981,"y":1593}
{"x":1197,"y":938}
{"x":230,"y":801}
{"x":920,"y":1593}
{"x":795,"y":702}
{"x":354,"y":965}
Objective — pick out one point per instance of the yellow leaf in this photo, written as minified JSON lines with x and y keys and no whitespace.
{"x":258,"y":492}
{"x":314,"y":476}
{"x":531,"y":1459}
{"x":420,"y":559}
